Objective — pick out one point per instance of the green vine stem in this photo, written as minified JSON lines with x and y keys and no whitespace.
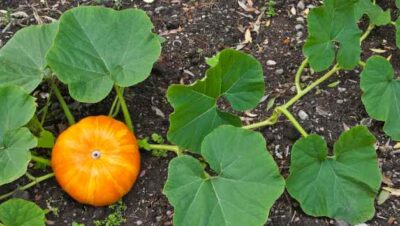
{"x":367,"y":32}
{"x":299,"y":73}
{"x":35,"y":181}
{"x":164,"y":147}
{"x":124,"y":107}
{"x":114,"y":107}
{"x":293,"y":120}
{"x":41,"y":160}
{"x":63,"y":105}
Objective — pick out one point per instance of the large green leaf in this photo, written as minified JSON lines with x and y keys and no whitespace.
{"x":15,"y":154}
{"x":245,"y":187}
{"x":381,"y":96}
{"x":398,"y":4}
{"x":97,"y":47}
{"x":375,"y":13}
{"x":17,"y":108}
{"x":342,"y":186}
{"x":236,"y":76}
{"x":22,"y":59}
{"x":328,"y":25}
{"x":18,"y":212}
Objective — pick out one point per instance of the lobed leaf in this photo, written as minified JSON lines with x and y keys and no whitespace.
{"x":16,"y":111}
{"x":375,"y":13}
{"x":22,"y":59}
{"x":381,"y":96}
{"x":333,"y":23}
{"x":247,"y":183}
{"x":236,"y":76}
{"x":18,"y":212}
{"x":98,"y":47}
{"x":342,"y":186}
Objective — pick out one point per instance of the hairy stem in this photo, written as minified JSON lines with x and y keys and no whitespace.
{"x":293,"y":120}
{"x":41,"y":160}
{"x":63,"y":104}
{"x":37,"y":180}
{"x":124,"y":107}
{"x":299,"y":73}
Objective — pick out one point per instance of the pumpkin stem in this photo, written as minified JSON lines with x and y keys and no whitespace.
{"x":124,"y":107}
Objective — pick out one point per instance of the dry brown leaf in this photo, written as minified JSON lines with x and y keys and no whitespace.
{"x":397,"y":146}
{"x":248,"y":113}
{"x":393,"y":191}
{"x":173,"y":31}
{"x":387,"y":181}
{"x":247,"y":37}
{"x":377,"y":50}
{"x":246,"y":7}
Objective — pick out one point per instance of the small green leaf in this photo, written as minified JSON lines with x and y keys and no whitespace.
{"x":17,"y":108}
{"x":15,"y":154}
{"x":213,"y":61}
{"x":144,"y":143}
{"x":96,"y":47}
{"x":381,"y":96}
{"x":375,"y":13}
{"x":270,"y":103}
{"x":18,"y":212}
{"x":333,"y":84}
{"x":343,"y":186}
{"x":46,"y":139}
{"x":333,"y":23}
{"x":22,"y":59}
{"x":247,"y":183}
{"x":238,"y":77}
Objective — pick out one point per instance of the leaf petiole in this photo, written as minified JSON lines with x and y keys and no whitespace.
{"x":62,"y":102}
{"x":41,"y":160}
{"x":124,"y":107}
{"x":115,"y":107}
{"x":299,"y":73}
{"x":164,"y":147}
{"x":33,"y":183}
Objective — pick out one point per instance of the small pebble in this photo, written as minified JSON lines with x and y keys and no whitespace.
{"x":300,"y":5}
{"x":339,"y":101}
{"x":340,"y":89}
{"x":303,"y":115}
{"x":299,"y":34}
{"x":139,"y":222}
{"x":279,"y":71}
{"x":299,"y":27}
{"x":300,"y":20}
{"x":271,"y":62}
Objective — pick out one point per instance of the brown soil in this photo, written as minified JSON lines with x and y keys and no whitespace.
{"x":195,"y":30}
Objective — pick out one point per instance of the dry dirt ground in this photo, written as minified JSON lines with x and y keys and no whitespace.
{"x":195,"y":30}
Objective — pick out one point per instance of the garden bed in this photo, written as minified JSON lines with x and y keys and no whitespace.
{"x":195,"y":30}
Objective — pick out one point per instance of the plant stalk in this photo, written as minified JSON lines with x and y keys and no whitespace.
{"x":37,"y":180}
{"x":367,"y":32}
{"x":63,"y":104}
{"x":164,"y":147}
{"x":293,"y":120}
{"x":113,"y":108}
{"x":124,"y":107}
{"x":41,"y":160}
{"x":299,"y":73}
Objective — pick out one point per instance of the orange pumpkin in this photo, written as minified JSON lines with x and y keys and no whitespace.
{"x":96,"y":161}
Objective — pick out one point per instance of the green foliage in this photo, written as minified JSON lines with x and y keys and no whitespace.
{"x":237,"y":77}
{"x":46,"y":139}
{"x":328,"y":25}
{"x":116,"y":218}
{"x":381,"y":96}
{"x":375,"y":13}
{"x":18,"y":212}
{"x":77,"y":224}
{"x":397,"y":25}
{"x":15,"y":141}
{"x":342,"y":186}
{"x":245,"y":187}
{"x":270,"y":8}
{"x":90,"y":62}
{"x":22,"y":59}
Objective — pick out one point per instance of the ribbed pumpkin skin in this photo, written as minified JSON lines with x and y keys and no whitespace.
{"x":92,"y":181}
